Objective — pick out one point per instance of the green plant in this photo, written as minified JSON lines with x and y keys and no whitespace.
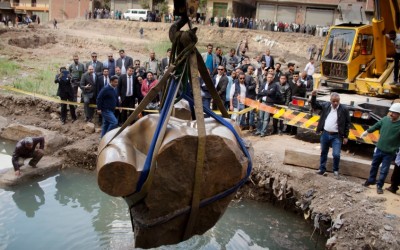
{"x":7,"y":67}
{"x":162,"y":7}
{"x":160,"y":48}
{"x":40,"y":83}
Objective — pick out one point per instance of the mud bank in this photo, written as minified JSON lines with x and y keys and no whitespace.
{"x":342,"y":210}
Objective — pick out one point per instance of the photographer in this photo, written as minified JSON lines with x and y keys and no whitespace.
{"x":65,"y":92}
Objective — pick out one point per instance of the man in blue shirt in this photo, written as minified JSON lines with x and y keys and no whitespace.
{"x":107,"y":100}
{"x":210,"y":59}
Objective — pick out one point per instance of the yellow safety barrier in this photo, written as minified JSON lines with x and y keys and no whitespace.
{"x":291,"y":117}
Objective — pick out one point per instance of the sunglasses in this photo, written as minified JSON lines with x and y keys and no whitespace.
{"x":220,"y":69}
{"x":137,"y":64}
{"x":94,"y":56}
{"x":241,"y":78}
{"x":110,"y":56}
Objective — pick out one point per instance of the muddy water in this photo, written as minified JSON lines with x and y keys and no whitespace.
{"x":6,"y":150}
{"x":68,"y":211}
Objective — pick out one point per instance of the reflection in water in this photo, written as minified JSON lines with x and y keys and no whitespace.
{"x":68,"y":211}
{"x":78,"y":189}
{"x":29,"y":198}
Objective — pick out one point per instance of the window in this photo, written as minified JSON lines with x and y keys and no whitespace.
{"x":339,"y":44}
{"x":33,"y":3}
{"x":363,"y":45}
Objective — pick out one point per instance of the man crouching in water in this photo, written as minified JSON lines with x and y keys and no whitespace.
{"x":26,"y":148}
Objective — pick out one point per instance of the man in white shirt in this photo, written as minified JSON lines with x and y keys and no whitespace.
{"x":237,"y":96}
{"x":334,"y":124}
{"x":310,"y":69}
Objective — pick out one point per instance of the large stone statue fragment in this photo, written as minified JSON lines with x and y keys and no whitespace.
{"x":160,"y":218}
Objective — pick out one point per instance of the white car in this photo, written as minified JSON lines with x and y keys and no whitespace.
{"x":136,"y":15}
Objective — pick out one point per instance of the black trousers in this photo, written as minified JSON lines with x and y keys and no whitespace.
{"x":64,"y":108}
{"x":128,"y":102}
{"x":395,"y":179}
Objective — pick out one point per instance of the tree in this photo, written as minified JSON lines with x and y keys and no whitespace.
{"x":144,"y":4}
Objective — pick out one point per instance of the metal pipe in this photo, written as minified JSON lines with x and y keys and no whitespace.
{"x":377,"y":10}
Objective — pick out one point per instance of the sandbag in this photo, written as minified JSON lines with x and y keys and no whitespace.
{"x":120,"y":164}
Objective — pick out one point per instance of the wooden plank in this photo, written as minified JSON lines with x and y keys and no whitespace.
{"x":348,"y":165}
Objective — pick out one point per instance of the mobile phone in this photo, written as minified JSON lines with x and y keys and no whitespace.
{"x":65,"y":75}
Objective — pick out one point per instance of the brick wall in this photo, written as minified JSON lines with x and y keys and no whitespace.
{"x":69,"y":9}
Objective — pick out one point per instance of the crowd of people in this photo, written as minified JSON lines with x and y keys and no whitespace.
{"x":263,"y":24}
{"x":130,"y":79}
{"x":238,"y":79}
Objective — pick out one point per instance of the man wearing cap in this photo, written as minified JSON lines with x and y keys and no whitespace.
{"x":26,"y":148}
{"x":334,"y":126}
{"x":388,"y":144}
{"x":107,"y":100}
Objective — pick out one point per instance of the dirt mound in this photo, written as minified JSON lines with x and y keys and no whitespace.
{"x":34,"y":41}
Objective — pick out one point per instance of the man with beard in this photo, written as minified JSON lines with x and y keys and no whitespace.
{"x":153,"y":65}
{"x":76,"y":69}
{"x":110,"y":64}
{"x":267,"y":93}
{"x":231,"y":61}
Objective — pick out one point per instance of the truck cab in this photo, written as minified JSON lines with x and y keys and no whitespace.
{"x":347,"y":50}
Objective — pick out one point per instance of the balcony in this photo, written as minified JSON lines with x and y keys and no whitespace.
{"x":30,"y":6}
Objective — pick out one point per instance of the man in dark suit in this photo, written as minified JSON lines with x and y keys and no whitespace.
{"x":127,"y":92}
{"x":124,"y":62}
{"x":220,"y":81}
{"x":165,"y":61}
{"x":101,"y":82}
{"x":97,"y":65}
{"x":66,"y":93}
{"x":268,"y":59}
{"x":88,"y":87}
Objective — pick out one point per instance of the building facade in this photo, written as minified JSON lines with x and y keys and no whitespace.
{"x":313,"y":12}
{"x":123,"y":5}
{"x":11,"y":8}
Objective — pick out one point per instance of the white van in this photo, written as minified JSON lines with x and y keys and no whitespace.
{"x":136,"y":15}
